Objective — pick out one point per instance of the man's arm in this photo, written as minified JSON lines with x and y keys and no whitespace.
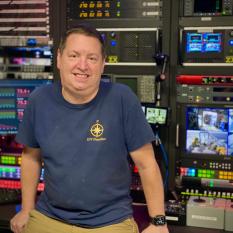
{"x":30,"y":173}
{"x":152,"y":184}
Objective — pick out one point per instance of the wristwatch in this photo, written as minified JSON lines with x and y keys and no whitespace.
{"x":159,"y":220}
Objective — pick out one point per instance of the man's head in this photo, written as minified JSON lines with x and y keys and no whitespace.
{"x":80,"y":59}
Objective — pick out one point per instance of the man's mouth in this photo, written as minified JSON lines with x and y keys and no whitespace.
{"x":80,"y":76}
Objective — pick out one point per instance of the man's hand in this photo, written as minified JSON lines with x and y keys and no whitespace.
{"x":19,"y":221}
{"x":156,"y":229}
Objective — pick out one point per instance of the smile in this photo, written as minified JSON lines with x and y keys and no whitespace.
{"x":80,"y":76}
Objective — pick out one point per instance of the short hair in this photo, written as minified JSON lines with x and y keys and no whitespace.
{"x":83,"y":29}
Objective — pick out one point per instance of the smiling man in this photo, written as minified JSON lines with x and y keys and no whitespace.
{"x":84,"y":130}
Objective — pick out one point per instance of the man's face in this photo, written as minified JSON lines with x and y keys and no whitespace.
{"x":81,"y":64}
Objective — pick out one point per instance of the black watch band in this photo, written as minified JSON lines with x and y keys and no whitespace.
{"x":159,"y":220}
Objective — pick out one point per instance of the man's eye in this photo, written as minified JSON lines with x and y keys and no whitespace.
{"x":73,"y":55}
{"x":93,"y":58}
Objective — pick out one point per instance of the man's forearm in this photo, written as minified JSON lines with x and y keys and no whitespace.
{"x":153,"y":189}
{"x":30,"y":173}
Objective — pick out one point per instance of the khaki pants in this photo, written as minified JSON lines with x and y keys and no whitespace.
{"x":39,"y":223}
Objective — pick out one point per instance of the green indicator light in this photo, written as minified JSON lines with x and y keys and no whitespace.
{"x":211,"y":183}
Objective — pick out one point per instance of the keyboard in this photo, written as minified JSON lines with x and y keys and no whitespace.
{"x":8,"y":196}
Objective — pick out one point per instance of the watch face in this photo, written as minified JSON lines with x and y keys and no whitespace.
{"x":158,"y":220}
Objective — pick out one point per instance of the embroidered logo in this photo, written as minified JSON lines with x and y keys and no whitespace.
{"x":96,"y":131}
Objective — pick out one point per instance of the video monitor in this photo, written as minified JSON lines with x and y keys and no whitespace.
{"x":207,"y":6}
{"x":209,"y":130}
{"x":156,"y":115}
{"x":203,"y":42}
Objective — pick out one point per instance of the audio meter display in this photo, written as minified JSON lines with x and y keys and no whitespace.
{"x":86,"y":9}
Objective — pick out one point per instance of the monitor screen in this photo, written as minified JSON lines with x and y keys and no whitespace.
{"x":207,"y":6}
{"x":206,"y":42}
{"x":156,"y":115}
{"x":209,"y":130}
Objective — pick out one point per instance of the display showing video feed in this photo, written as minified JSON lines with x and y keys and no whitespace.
{"x":156,"y":115}
{"x":209,"y":131}
{"x":203,"y":42}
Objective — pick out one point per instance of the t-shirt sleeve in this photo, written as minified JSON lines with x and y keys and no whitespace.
{"x":138,"y":132}
{"x":26,"y":132}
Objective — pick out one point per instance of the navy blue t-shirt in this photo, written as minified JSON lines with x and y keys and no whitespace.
{"x":85,"y":152}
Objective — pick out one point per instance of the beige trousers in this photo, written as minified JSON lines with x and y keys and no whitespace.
{"x":39,"y":223}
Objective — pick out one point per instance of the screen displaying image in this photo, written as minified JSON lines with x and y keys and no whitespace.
{"x":156,"y":115}
{"x":203,"y":42}
{"x":209,"y":131}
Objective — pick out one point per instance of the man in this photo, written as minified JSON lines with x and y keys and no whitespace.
{"x":83,"y":130}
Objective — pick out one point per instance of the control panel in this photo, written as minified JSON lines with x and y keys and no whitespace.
{"x":131,"y":46}
{"x":205,"y":89}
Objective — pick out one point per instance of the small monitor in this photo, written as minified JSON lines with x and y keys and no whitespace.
{"x":203,"y":42}
{"x":156,"y":115}
{"x":207,"y":6}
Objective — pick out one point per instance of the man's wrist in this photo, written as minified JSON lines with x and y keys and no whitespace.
{"x":158,"y":220}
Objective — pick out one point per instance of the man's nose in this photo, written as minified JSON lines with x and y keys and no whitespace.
{"x":82,"y":63}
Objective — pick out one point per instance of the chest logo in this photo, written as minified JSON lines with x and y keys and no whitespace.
{"x":97,"y":129}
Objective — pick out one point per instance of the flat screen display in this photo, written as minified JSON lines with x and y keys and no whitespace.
{"x":209,"y":130}
{"x":156,"y":115}
{"x":203,"y":42}
{"x":207,"y":6}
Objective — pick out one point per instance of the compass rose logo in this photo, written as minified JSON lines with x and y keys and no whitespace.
{"x":96,"y":132}
{"x":97,"y":129}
